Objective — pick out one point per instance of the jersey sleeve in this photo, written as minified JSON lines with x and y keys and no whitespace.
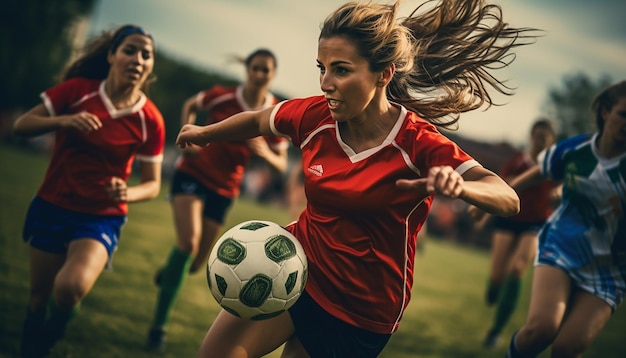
{"x":59,"y":99}
{"x":152,"y":148}
{"x":552,"y":158}
{"x":290,"y":118}
{"x":431,"y":148}
{"x":204,"y":98}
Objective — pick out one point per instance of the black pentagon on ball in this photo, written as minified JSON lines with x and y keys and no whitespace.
{"x":231,"y":251}
{"x":253,"y":226}
{"x":256,"y":291}
{"x":279,"y":248}
{"x":290,"y":283}
{"x":305,"y":276}
{"x":221,"y":284}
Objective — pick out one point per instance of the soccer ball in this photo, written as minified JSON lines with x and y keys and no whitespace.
{"x":256,"y":270}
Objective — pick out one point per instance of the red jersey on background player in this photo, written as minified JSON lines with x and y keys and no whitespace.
{"x":82,"y":164}
{"x":103,"y":122}
{"x":221,"y":167}
{"x":207,"y":180}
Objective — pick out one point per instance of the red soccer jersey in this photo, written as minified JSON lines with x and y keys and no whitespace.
{"x":359,"y":230}
{"x":220,"y":166}
{"x":535,"y":202}
{"x":82,"y":164}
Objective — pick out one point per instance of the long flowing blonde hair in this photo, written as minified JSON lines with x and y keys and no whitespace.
{"x":443,"y":54}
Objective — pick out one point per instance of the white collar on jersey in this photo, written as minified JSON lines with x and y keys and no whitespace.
{"x":269,"y":100}
{"x":116,"y":113}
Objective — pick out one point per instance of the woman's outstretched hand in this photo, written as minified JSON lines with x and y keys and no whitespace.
{"x":190,"y":134}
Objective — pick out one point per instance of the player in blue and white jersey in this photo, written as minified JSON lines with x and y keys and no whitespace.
{"x":579,"y":279}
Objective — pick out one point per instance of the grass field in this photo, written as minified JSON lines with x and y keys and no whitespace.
{"x":446,"y":317}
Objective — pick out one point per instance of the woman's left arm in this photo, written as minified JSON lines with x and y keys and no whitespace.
{"x":477,"y":186}
{"x":277,"y":158}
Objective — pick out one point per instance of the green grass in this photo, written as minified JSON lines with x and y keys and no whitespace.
{"x":446,"y":317}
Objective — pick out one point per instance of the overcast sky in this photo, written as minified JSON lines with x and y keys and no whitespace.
{"x":581,"y":36}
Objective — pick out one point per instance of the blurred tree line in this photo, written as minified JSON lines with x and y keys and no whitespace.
{"x":35,"y":43}
{"x":569,"y":105}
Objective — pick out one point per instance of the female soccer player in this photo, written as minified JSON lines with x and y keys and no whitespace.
{"x":207,"y":180}
{"x":514,"y":239}
{"x":372,"y":161}
{"x":580,"y":273}
{"x":102,"y":122}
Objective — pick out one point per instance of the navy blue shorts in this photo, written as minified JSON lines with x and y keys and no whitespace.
{"x":51,"y":228}
{"x":516,"y":227}
{"x":215,"y":206}
{"x":324,"y":336}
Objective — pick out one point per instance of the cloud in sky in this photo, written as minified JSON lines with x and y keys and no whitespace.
{"x":581,"y":36}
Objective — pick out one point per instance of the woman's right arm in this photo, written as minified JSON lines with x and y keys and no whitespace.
{"x":527,"y":179}
{"x":189,"y":112}
{"x":38,"y":121}
{"x":240,"y":126}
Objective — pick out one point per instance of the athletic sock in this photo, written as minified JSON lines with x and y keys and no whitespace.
{"x":493,"y":292}
{"x":507,"y":303}
{"x":32,"y":332}
{"x":172,"y":279}
{"x":54,"y":328}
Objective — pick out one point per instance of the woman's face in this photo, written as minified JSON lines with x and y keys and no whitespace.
{"x":261,"y":71}
{"x":133,"y":61}
{"x":615,"y":121}
{"x":345,"y":78}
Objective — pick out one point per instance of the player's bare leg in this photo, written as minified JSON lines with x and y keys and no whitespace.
{"x":233,"y":337}
{"x":86,"y":259}
{"x":585,"y":319}
{"x":549,"y":298}
{"x":210,"y":230}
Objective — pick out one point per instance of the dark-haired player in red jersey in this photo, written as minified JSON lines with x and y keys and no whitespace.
{"x":102,"y":122}
{"x":207,"y":180}
{"x":514,"y":239}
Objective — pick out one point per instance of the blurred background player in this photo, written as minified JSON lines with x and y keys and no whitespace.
{"x":514,"y":238}
{"x":580,"y":272}
{"x":207,"y":180}
{"x":102,"y":121}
